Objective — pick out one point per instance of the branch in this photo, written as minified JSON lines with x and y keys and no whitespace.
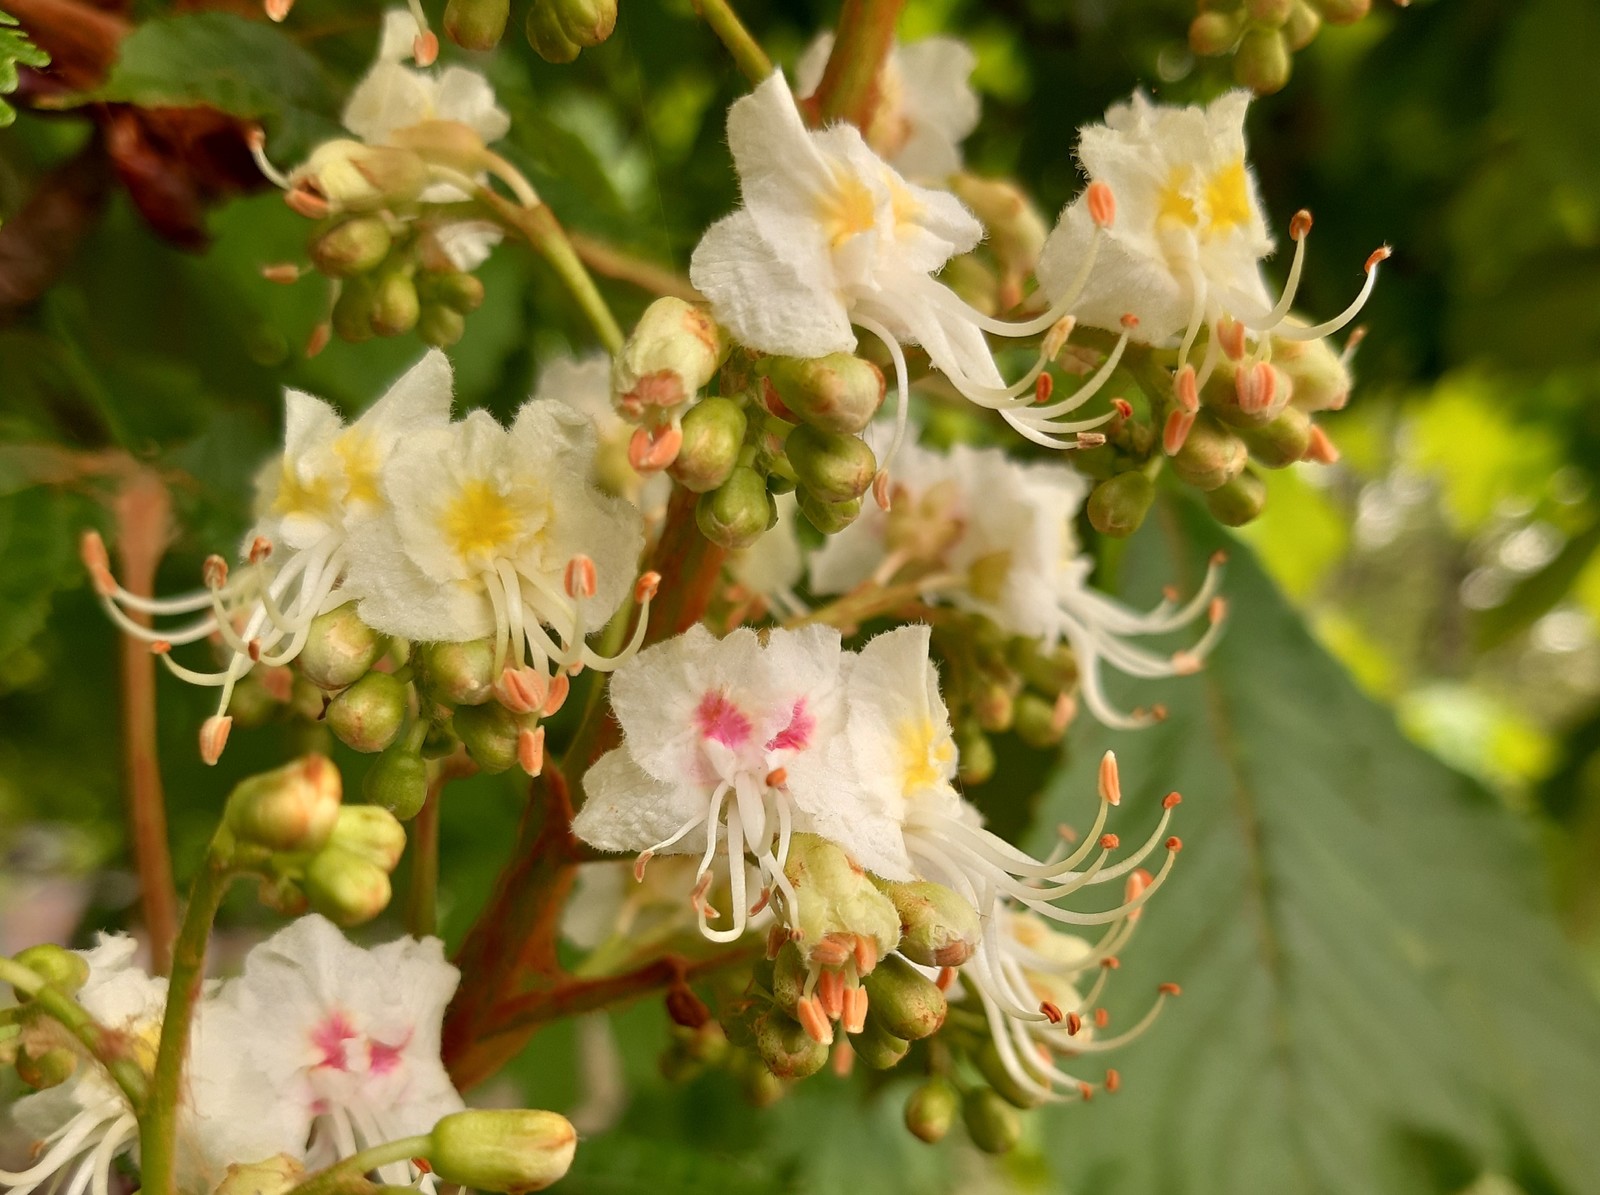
{"x":422,"y":895}
{"x":850,"y":83}
{"x":610,"y":262}
{"x":747,"y":53}
{"x":110,"y":1048}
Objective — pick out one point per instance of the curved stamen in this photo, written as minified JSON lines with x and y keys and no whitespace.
{"x":1285,"y":331}
{"x":880,"y":484}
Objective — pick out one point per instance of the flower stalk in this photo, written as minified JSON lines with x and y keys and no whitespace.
{"x":102,"y":1043}
{"x":849,"y":87}
{"x":350,"y":1174}
{"x":747,"y":53}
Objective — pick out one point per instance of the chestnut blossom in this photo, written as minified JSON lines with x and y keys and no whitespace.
{"x":337,"y":1045}
{"x":995,"y":536}
{"x":1184,"y":253}
{"x":309,"y":503}
{"x":926,"y":105}
{"x":584,"y":385}
{"x":730,"y":746}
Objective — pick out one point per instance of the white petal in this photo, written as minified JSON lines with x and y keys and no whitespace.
{"x":390,"y":97}
{"x":465,"y":95}
{"x":467,"y":242}
{"x":627,"y":809}
{"x":940,"y":103}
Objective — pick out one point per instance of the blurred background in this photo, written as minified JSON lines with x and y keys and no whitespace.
{"x":1389,"y":928}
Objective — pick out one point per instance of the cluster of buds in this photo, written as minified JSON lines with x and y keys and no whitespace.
{"x":1255,"y":411}
{"x":559,"y":30}
{"x":291,"y":827}
{"x":41,"y":1051}
{"x":775,"y":425}
{"x":1263,"y":35}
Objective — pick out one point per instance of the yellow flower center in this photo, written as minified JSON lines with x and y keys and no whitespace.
{"x":847,"y":209}
{"x":1228,"y":198}
{"x":359,"y":457}
{"x":926,"y":752}
{"x":1173,"y":203}
{"x":481,"y":523}
{"x":299,"y":497}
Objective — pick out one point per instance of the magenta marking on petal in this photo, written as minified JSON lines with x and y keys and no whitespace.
{"x":719,"y":719}
{"x":383,"y":1058}
{"x":797,"y":735}
{"x":329,"y":1037}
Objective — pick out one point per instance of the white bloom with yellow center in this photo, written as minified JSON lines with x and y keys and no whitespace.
{"x":584,"y":384}
{"x":309,"y":502}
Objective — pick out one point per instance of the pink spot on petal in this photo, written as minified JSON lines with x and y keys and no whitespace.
{"x":719,"y":719}
{"x":329,"y":1037}
{"x":797,"y":735}
{"x":382,"y":1057}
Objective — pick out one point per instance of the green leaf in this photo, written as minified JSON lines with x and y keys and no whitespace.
{"x":246,"y":68}
{"x":1372,"y":978}
{"x":14,"y":48}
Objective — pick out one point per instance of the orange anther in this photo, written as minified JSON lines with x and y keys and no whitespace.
{"x":1109,"y":842}
{"x":1102,"y":204}
{"x":1171,"y":799}
{"x":1174,"y":844}
{"x":1381,"y":253}
{"x":530,"y":750}
{"x":1051,"y":1012}
{"x":1299,"y":225}
{"x":214,"y":737}
{"x":1176,"y":431}
{"x":1169,"y":989}
{"x":1110,"y":780}
{"x":646,"y":587}
{"x":1113,"y":1081}
{"x":1043,"y":388}
{"x":778,"y":777}
{"x":1074,"y":1024}
{"x":579,"y":577}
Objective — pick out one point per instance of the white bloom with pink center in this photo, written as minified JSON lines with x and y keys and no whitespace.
{"x":995,"y":536}
{"x":730,"y":746}
{"x":340,"y":1042}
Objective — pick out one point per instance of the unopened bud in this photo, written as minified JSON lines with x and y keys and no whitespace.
{"x":976,"y":752}
{"x":1262,"y":61}
{"x":368,"y":715}
{"x":292,"y":808}
{"x":476,"y":24}
{"x":1017,"y":230}
{"x":787,"y":1049}
{"x":339,"y":649}
{"x":1000,"y":1079}
{"x":674,"y":351}
{"x":489,"y":732}
{"x":62,"y":969}
{"x":789,"y":973}
{"x":1269,"y":12}
{"x":371,"y":832}
{"x":1249,"y":394}
{"x":938,"y":928}
{"x":1318,"y":375}
{"x":547,"y":37}
{"x":1303,"y":24}
{"x":397,"y":781}
{"x":713,"y":434}
{"x":1239,"y":501}
{"x":1118,"y":505}
{"x":833,"y":467}
{"x":909,"y":1004}
{"x":931,"y":1109}
{"x":457,"y":673}
{"x":278,"y":1175}
{"x":1282,"y":442}
{"x":353,"y":176}
{"x":459,"y":291}
{"x":830,"y":518}
{"x":992,"y":1123}
{"x":1343,"y":12}
{"x":502,"y":1149}
{"x":877,"y":1047}
{"x":440,"y":325}
{"x":352,"y":246}
{"x":346,"y":888}
{"x":839,"y":393}
{"x":837,"y":900}
{"x":352,"y":311}
{"x":586,"y":22}
{"x":737,"y":512}
{"x":1211,"y":455}
{"x":49,"y":1068}
{"x":395,"y":305}
{"x":1213,"y":33}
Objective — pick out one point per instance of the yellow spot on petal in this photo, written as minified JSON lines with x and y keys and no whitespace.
{"x":359,"y":457}
{"x":296,"y":496}
{"x":1228,"y":198}
{"x":926,"y":755}
{"x":846,"y":210}
{"x":1174,"y":204}
{"x":482,"y":524}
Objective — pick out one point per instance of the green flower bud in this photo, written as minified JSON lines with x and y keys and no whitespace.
{"x":838,"y":902}
{"x":1118,"y":505}
{"x":788,"y":977}
{"x":938,"y":928}
{"x":1247,"y":395}
{"x":1343,"y":12}
{"x":931,"y":1109}
{"x":674,"y":351}
{"x":459,"y":291}
{"x":345,"y":887}
{"x":737,"y":512}
{"x":457,"y":673}
{"x":976,"y":753}
{"x":877,"y":1047}
{"x":1269,"y":12}
{"x":999,"y":1079}
{"x":1211,"y":456}
{"x":713,"y":434}
{"x":1302,"y":27}
{"x":292,"y":808}
{"x":61,"y":968}
{"x":1213,"y":33}
{"x":50,"y":1068}
{"x":1262,"y":61}
{"x":1038,"y":722}
{"x":502,"y":1150}
{"x":786,"y":1048}
{"x":441,"y":326}
{"x":339,"y":649}
{"x":352,"y":312}
{"x":586,"y":22}
{"x":476,"y":24}
{"x":994,"y":706}
{"x":835,"y":468}
{"x":371,"y":832}
{"x":1238,"y":502}
{"x":1016,"y":229}
{"x":397,"y":780}
{"x":830,"y":518}
{"x":839,"y":393}
{"x":909,"y":1004}
{"x":276,"y":1176}
{"x":351,"y":246}
{"x":395,"y":306}
{"x":993,"y":1124}
{"x":1282,"y":442}
{"x":368,"y":715}
{"x":489,"y":733}
{"x":1318,"y":376}
{"x":547,"y":37}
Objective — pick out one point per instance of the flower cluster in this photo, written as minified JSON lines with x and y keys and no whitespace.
{"x":433,"y":531}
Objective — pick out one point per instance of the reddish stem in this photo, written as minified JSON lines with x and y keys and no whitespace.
{"x":850,"y":88}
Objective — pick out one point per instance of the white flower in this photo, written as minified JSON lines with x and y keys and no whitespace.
{"x":926,"y":107}
{"x":499,"y":532}
{"x":1184,"y":251}
{"x":830,"y":235}
{"x":308,"y":503}
{"x":584,"y":384}
{"x":995,"y":536}
{"x":339,"y":1044}
{"x":738,"y":744}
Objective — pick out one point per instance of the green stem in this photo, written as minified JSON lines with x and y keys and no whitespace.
{"x":159,"y":1126}
{"x":849,"y":89}
{"x":107,"y":1047}
{"x":350,"y":1174}
{"x":422,"y":897}
{"x":539,"y":227}
{"x":748,"y":55}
